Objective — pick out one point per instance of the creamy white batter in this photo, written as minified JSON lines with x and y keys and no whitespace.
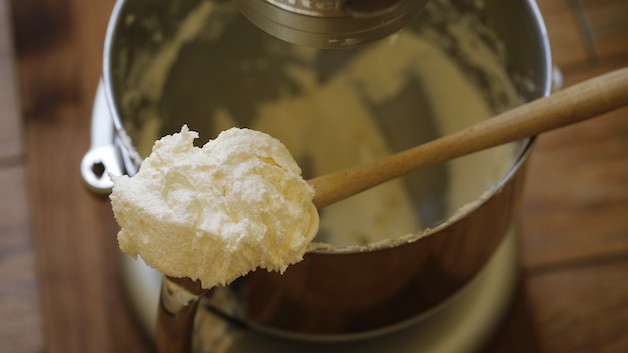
{"x":218,"y":212}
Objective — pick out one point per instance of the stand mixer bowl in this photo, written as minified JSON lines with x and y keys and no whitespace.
{"x":165,"y":65}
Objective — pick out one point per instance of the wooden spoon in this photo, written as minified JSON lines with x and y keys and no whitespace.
{"x":570,"y":105}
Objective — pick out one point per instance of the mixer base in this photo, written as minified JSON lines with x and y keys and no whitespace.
{"x":463,"y":325}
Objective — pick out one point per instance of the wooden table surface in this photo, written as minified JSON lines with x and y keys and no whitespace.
{"x":60,"y":287}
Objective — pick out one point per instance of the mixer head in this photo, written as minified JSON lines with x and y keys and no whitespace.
{"x":330,"y":23}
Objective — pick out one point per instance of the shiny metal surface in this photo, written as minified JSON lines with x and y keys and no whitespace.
{"x":102,"y":157}
{"x":175,"y":316}
{"x":330,"y":23}
{"x":336,"y":295}
{"x":332,"y":293}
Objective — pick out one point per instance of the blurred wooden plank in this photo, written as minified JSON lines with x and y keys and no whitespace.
{"x":584,"y":32}
{"x":575,"y":244}
{"x":49,"y":69}
{"x":582,"y":310}
{"x":584,"y":165}
{"x":603,"y":66}
{"x":564,"y":32}
{"x":20,"y":328}
{"x":83,"y":304}
{"x":59,"y":28}
{"x":576,"y":199}
{"x":606,"y":21}
{"x":89,"y":17}
{"x":10,"y":134}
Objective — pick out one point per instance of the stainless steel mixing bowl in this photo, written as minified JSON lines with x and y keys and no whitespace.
{"x":334,"y":292}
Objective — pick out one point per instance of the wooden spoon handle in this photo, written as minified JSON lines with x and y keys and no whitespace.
{"x":570,"y":105}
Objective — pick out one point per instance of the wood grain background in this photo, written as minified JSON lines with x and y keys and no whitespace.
{"x":60,"y":288}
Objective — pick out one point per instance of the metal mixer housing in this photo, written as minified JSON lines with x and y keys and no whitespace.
{"x":330,"y":23}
